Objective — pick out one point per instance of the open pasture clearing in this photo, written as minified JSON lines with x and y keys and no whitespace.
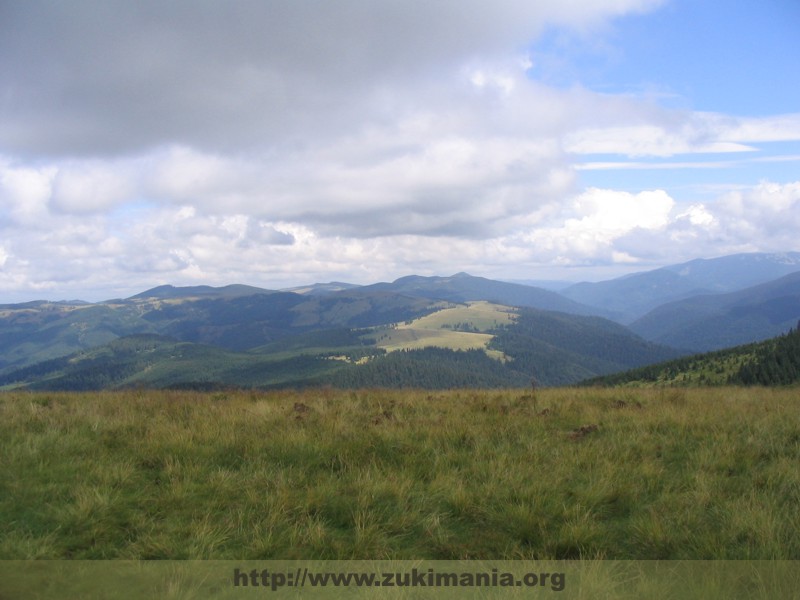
{"x":589,"y":473}
{"x":480,"y":315}
{"x":459,"y":327}
{"x":415,"y":338}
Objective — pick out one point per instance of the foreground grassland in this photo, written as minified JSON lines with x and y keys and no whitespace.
{"x":589,"y":473}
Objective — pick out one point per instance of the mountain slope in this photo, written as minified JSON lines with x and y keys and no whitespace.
{"x":633,"y":296}
{"x":771,"y":362}
{"x":711,"y":322}
{"x":560,"y":349}
{"x":556,"y":348}
{"x":231,"y":317}
{"x":200,"y":291}
{"x":37,"y":331}
{"x":160,"y":362}
{"x":464,"y":288}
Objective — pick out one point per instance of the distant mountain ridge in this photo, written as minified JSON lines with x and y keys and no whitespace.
{"x":630,"y":297}
{"x":555,"y":348}
{"x":201,"y":291}
{"x":567,"y":342}
{"x":714,"y":321}
{"x":772,"y":362}
{"x":463,"y":287}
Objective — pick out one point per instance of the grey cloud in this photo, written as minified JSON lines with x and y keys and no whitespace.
{"x":117,"y":77}
{"x":264,"y":233}
{"x":151,"y":263}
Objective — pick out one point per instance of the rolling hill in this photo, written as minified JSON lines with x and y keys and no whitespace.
{"x":446,"y":331}
{"x":230,"y":317}
{"x":471,"y":345}
{"x":159,"y":362}
{"x":771,"y":362}
{"x":463,"y":287}
{"x":631,"y":297}
{"x":715,"y":321}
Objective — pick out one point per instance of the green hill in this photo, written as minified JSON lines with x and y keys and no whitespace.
{"x":712,"y":322}
{"x":474,"y":345}
{"x":160,"y":362}
{"x":236,"y":318}
{"x":771,"y":363}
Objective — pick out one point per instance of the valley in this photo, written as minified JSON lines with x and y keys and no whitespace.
{"x":436,"y":332}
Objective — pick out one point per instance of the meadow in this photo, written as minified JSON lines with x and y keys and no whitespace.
{"x":376,"y":474}
{"x":456,"y":327}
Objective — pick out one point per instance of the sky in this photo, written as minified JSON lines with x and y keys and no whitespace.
{"x":278,"y":143}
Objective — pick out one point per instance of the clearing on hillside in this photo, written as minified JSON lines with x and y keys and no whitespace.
{"x":456,"y":327}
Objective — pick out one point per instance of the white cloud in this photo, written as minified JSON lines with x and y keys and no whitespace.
{"x":588,"y":227}
{"x":246,"y":73}
{"x":89,"y":187}
{"x":25,"y":193}
{"x":284,"y":142}
{"x":180,"y":245}
{"x":767,"y":215}
{"x":647,"y":140}
{"x":683,"y":133}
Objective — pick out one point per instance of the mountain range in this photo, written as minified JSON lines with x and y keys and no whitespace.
{"x":631,"y":297}
{"x":425,"y":331}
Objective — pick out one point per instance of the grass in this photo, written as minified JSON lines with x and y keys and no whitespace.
{"x":323,"y":474}
{"x":481,"y":315}
{"x":408,"y":338}
{"x":459,"y":327}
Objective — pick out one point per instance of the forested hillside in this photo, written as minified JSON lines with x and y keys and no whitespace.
{"x":559,"y":349}
{"x":774,"y":362}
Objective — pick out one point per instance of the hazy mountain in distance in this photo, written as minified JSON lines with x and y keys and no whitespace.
{"x":463,"y":287}
{"x":233,"y":317}
{"x":714,"y":321}
{"x":320,"y":289}
{"x":632,"y":296}
{"x":200,"y":291}
{"x":553,"y":285}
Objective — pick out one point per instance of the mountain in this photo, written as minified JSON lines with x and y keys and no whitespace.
{"x":556,"y":348}
{"x":161,"y":362}
{"x":632,"y":296}
{"x":244,"y":322}
{"x":321,"y":289}
{"x":714,"y":321}
{"x":234,"y":318}
{"x":551,"y":285}
{"x":561,"y":349}
{"x":200,"y":291}
{"x":36,"y":331}
{"x":771,"y":362}
{"x":447,"y":331}
{"x":463,"y":287}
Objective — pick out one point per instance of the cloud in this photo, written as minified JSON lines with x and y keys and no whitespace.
{"x":283,"y":142}
{"x":24,"y":194}
{"x":89,"y":187}
{"x":671,"y":133}
{"x":603,"y":226}
{"x":182,"y":245}
{"x":124,"y":77}
{"x":766,"y":215}
{"x":588,"y":227}
{"x":646,"y":140}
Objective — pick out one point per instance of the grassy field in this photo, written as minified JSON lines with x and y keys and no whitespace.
{"x":323,"y":474}
{"x":461,"y":327}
